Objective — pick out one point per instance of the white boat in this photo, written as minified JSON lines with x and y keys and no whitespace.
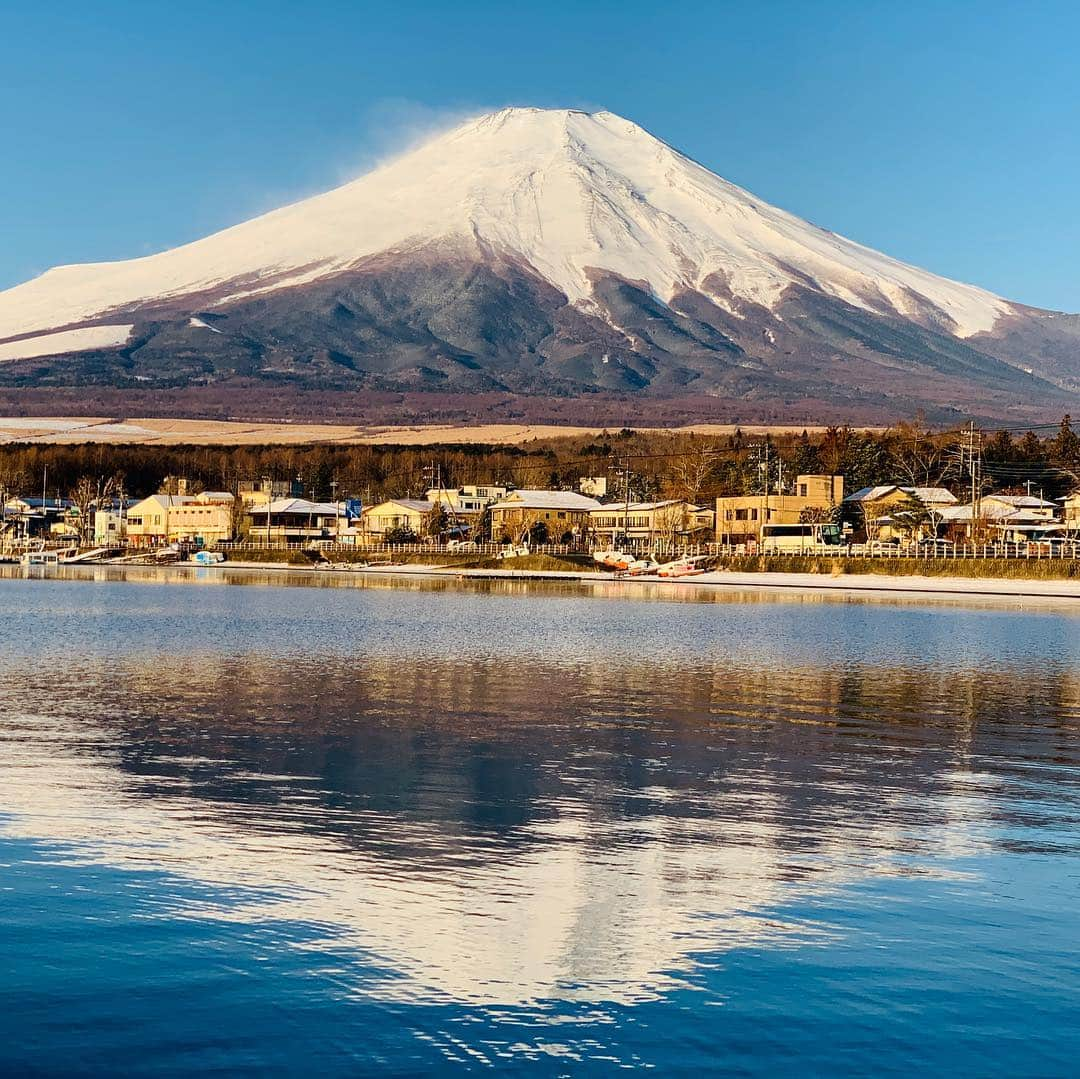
{"x":520,"y":551}
{"x":681,"y":567}
{"x":39,"y":558}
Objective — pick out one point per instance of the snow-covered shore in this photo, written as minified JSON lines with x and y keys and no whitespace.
{"x":851,"y":584}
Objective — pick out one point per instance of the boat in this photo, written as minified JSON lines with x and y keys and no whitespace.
{"x":168,"y":554}
{"x":614,"y":559}
{"x":642,"y":567}
{"x":519,"y":551}
{"x":39,"y":558}
{"x":681,"y":567}
{"x":207,"y":558}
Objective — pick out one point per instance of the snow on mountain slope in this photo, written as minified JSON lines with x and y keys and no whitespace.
{"x":80,"y":340}
{"x":566,"y":192}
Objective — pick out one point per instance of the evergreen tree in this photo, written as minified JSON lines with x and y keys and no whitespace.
{"x":1065,"y":448}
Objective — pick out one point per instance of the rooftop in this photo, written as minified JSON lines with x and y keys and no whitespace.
{"x":547,"y":500}
{"x":297,"y":506}
{"x":930,"y":495}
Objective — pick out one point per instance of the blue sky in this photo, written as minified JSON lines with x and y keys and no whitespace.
{"x":946,"y":134}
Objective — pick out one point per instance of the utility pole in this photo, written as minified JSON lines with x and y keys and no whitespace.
{"x":973,"y":456}
{"x":764,"y":467}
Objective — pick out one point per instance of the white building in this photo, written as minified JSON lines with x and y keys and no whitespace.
{"x":296,"y":520}
{"x":472,"y":498}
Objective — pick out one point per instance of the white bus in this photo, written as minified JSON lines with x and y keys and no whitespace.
{"x":802,"y":537}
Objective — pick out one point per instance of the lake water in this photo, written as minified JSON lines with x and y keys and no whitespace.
{"x":428,"y":827}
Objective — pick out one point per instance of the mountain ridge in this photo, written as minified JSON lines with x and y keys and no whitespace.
{"x":548,"y":252}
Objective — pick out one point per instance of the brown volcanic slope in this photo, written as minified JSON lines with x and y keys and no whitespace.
{"x":534,"y":265}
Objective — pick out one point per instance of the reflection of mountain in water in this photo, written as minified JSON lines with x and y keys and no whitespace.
{"x":509,"y":832}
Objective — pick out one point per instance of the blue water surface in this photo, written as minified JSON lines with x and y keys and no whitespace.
{"x":248,"y":828}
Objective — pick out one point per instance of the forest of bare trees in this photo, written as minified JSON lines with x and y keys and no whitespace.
{"x":695,"y":467}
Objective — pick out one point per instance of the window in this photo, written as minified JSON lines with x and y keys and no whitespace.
{"x":742,"y":515}
{"x":802,"y":490}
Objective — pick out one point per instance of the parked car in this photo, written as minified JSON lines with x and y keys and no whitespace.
{"x":462,"y":545}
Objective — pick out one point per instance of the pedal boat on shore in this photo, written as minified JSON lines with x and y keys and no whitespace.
{"x":682,"y":567}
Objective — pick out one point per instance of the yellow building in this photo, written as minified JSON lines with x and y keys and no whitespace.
{"x":739,"y":518}
{"x":396,"y":514}
{"x":564,"y":514}
{"x":204,"y":519}
{"x":1070,"y":511}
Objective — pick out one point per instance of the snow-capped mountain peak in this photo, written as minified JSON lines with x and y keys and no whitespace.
{"x":569,"y":193}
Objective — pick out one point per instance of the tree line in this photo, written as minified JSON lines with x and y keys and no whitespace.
{"x":645,"y":465}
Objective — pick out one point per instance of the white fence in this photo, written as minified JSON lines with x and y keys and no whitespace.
{"x":471,"y":550}
{"x":1042,"y":549}
{"x":1035,"y":550}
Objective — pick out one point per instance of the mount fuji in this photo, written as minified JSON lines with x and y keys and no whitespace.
{"x":543,"y":252}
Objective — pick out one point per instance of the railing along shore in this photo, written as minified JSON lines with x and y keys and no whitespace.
{"x":1035,"y":550}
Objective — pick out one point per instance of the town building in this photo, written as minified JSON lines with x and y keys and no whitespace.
{"x":1009,"y":518}
{"x":470,"y":499}
{"x":203,"y":519}
{"x":297,"y":520}
{"x":739,"y":518}
{"x":886,"y":515}
{"x":110,"y":522}
{"x":1037,"y":507}
{"x":41,"y":517}
{"x":256,"y":492}
{"x":396,"y":514}
{"x":650,"y":523}
{"x":1070,"y":511}
{"x":563,"y":514}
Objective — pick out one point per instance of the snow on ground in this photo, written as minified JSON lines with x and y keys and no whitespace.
{"x":54,"y":344}
{"x":200,"y":324}
{"x":57,"y":431}
{"x":569,"y":192}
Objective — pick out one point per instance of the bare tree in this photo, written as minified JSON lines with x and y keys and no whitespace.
{"x":84,"y":497}
{"x":90,"y":494}
{"x":526,"y":523}
{"x":669,"y":522}
{"x":690,"y":472}
{"x":919,"y":457}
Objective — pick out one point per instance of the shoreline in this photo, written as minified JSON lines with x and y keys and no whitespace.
{"x":764,"y":581}
{"x":854,"y":582}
